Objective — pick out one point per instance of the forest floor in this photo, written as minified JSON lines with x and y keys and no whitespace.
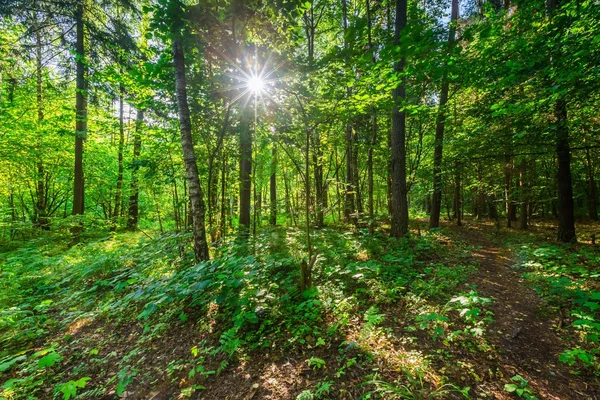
{"x":462,"y":312}
{"x":525,"y":334}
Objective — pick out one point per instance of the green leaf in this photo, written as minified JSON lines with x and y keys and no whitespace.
{"x":595,"y":296}
{"x":49,"y":360}
{"x":149,"y":310}
{"x":82,"y":381}
{"x":68,"y":390}
{"x":510,"y":387}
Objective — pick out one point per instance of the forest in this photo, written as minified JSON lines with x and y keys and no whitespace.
{"x":299,"y":199}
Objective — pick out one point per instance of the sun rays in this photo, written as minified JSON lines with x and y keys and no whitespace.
{"x":252,"y":82}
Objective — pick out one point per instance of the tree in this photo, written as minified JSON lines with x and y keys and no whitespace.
{"x":81,"y":120}
{"x":245,"y":170}
{"x":398,"y":148}
{"x":133,"y":214}
{"x":566,"y":213}
{"x":187,"y":144}
{"x":436,"y":204}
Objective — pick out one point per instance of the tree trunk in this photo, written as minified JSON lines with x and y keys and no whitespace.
{"x":399,"y":189}
{"x":480,"y":193}
{"x":189,"y":156}
{"x":157,"y":207}
{"x":356,"y":176}
{"x":288,"y":200}
{"x":371,"y":186}
{"x":213,"y":178}
{"x":245,"y":173}
{"x":117,"y":209}
{"x":310,"y":25}
{"x":222,"y":219}
{"x":370,"y":182}
{"x":524,"y":194}
{"x":41,"y":190}
{"x":592,"y":190}
{"x":307,"y":265}
{"x":349,"y":190}
{"x":507,"y":191}
{"x":273,"y":185}
{"x":373,"y":130}
{"x":80,"y":124}
{"x":389,"y":175}
{"x":492,"y":210}
{"x":319,"y":187}
{"x":132,"y":220}
{"x":434,"y":220}
{"x":457,"y":191}
{"x":566,"y":212}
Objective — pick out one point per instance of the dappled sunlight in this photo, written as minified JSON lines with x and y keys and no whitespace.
{"x":391,"y":316}
{"x":74,"y":327}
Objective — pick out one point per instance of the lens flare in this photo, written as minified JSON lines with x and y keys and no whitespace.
{"x":256,"y":84}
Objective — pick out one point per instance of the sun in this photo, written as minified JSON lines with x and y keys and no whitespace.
{"x":254,"y":79}
{"x":256,"y":84}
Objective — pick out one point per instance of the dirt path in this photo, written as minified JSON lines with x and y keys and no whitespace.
{"x":527,"y":343}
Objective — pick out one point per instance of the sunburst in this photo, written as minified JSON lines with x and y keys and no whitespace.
{"x":256,"y":82}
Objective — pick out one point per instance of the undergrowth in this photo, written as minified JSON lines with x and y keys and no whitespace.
{"x":84,"y":322}
{"x":567,"y":278}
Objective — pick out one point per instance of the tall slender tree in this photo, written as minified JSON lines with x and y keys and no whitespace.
{"x":134,"y":189}
{"x":121,"y":145}
{"x":273,"y":183}
{"x":41,"y":189}
{"x":187,"y":143}
{"x":398,"y":135}
{"x":349,"y":189}
{"x":436,"y":204}
{"x":245,"y":170}
{"x":81,"y":120}
{"x":566,"y":207}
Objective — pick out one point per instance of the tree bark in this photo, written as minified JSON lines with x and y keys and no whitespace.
{"x":592,"y":190}
{"x":288,"y":199}
{"x":273,"y":185}
{"x":189,"y":156}
{"x":371,"y":186}
{"x":133,"y":217}
{"x":245,"y":173}
{"x":117,"y":209}
{"x":507,"y":191}
{"x":310,"y":26}
{"x":80,"y":124}
{"x":457,"y":192}
{"x":355,"y":175}
{"x":349,"y":190}
{"x":319,"y":187}
{"x":399,"y":189}
{"x":222,"y":219}
{"x":480,"y":193}
{"x":307,"y":265}
{"x":524,"y":194}
{"x":434,"y":219}
{"x":41,"y":206}
{"x":370,"y":183}
{"x":566,"y":209}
